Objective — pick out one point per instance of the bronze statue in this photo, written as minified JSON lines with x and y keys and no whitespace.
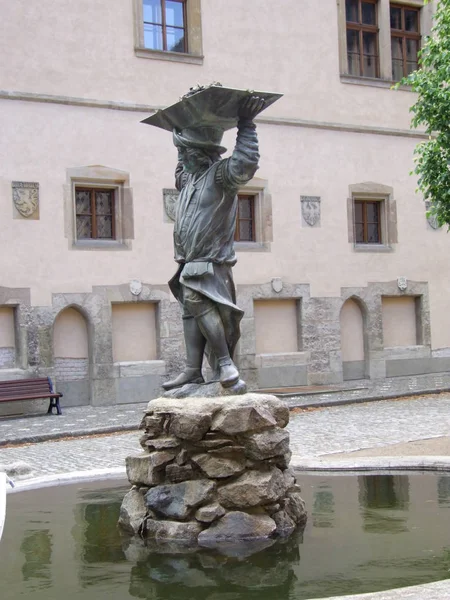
{"x":205,"y":222}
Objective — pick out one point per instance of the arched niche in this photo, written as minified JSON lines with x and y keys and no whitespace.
{"x":353,"y":349}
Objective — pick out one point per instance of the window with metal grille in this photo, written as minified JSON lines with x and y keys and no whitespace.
{"x":405,"y":39}
{"x":245,"y":221}
{"x":94,"y":209}
{"x":165,"y":25}
{"x":367,"y":222}
{"x":362,"y":38}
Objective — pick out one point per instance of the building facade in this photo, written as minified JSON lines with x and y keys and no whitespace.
{"x":341,"y":275}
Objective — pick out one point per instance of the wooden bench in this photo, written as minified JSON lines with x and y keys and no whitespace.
{"x":31,"y":389}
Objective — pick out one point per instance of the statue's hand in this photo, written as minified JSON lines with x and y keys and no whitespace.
{"x":250,"y":107}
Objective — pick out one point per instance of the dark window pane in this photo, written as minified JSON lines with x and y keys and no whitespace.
{"x":152,"y":11}
{"x":372,"y":234}
{"x":396,"y":18}
{"x":397,"y":70}
{"x":351,"y":10}
{"x":153,"y":37}
{"x":358,"y":212}
{"x":175,"y":39}
{"x":245,"y":231}
{"x":359,"y":234}
{"x":410,"y":67}
{"x":352,"y":41}
{"x":103,"y":203}
{"x":370,"y":66}
{"x":174,"y":14}
{"x":104,"y":227}
{"x":412,"y":20}
{"x":368,"y":13}
{"x":245,"y":208}
{"x":84,"y":228}
{"x":372,"y":212}
{"x":82,"y":202}
{"x":369,"y":43}
{"x":354,"y":64}
{"x":397,"y":52}
{"x":412,"y":47}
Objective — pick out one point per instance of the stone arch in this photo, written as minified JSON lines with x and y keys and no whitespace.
{"x":71,"y":354}
{"x":353,"y":319}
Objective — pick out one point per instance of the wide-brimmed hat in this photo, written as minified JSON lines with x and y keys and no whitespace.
{"x":204,"y":137}
{"x":211,"y":106}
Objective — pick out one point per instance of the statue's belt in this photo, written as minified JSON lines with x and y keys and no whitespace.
{"x":197,"y":269}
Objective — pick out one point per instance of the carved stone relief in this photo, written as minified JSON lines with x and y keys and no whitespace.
{"x":170,"y":197}
{"x":25,"y":197}
{"x":310,"y":210}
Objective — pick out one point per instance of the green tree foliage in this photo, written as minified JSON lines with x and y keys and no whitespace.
{"x":432,"y":111}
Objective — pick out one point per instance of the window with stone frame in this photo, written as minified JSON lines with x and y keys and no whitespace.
{"x":168,"y":30}
{"x":95,"y":213}
{"x":372,"y":217}
{"x":362,"y":38}
{"x":245,"y":219}
{"x":397,"y":26}
{"x":405,"y":39}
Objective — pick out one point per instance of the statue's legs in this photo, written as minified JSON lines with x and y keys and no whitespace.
{"x":211,"y":326}
{"x":195,"y":346}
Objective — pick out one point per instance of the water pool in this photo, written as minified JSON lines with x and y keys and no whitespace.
{"x":364,"y":533}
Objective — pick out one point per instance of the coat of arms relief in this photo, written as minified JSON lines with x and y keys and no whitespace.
{"x":311,"y":210}
{"x":26,"y":199}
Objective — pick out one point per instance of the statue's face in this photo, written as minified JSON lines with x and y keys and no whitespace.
{"x":193,"y":159}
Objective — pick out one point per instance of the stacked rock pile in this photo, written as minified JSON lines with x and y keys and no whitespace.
{"x":213,"y":470}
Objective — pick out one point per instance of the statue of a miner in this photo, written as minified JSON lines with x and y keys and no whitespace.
{"x":205,"y":221}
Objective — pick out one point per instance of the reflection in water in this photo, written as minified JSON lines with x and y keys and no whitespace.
{"x":384,"y":502}
{"x":444,"y":491}
{"x":262,"y":576}
{"x":37,"y":549}
{"x":76,"y":550}
{"x":323,"y":509}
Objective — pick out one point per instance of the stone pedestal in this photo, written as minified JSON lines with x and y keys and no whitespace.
{"x":213,"y":471}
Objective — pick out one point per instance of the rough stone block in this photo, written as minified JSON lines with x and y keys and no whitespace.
{"x":210,"y":512}
{"x":147,"y":469}
{"x":253,"y":488}
{"x":177,"y":473}
{"x":189,"y":425}
{"x":273,"y":442}
{"x":237,"y":525}
{"x":167,"y":531}
{"x":176,"y":500}
{"x":219,"y":467}
{"x":132,"y":511}
{"x":240,"y":419}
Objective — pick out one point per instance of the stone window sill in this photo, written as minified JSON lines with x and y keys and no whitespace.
{"x":372,"y":248}
{"x":170,"y":56}
{"x":252,"y":246}
{"x":372,"y":82}
{"x":99,"y":245}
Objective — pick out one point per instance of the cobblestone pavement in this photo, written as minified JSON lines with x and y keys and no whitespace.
{"x":313,"y":433}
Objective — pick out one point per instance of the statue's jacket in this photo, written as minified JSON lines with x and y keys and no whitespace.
{"x":205,"y":222}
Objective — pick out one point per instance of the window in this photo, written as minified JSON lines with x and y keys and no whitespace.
{"x":379,"y":39}
{"x":367,"y":222}
{"x":372,"y":217}
{"x":94,"y":209}
{"x":405,"y":39}
{"x":98,"y":208}
{"x":165,"y":25}
{"x":362,"y":38}
{"x":168,"y":30}
{"x":245,"y":221}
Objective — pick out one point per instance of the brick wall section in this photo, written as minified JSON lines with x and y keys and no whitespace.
{"x":69,"y":369}
{"x":7,"y":358}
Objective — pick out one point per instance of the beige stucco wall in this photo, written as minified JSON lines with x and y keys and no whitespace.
{"x":70,"y":335}
{"x":399,"y":321}
{"x":352,"y":334}
{"x":276,"y":326}
{"x":134,"y":332}
{"x":45,"y":140}
{"x":7,"y":327}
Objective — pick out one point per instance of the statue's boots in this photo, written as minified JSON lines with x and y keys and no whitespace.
{"x":210,"y":324}
{"x":195,"y":346}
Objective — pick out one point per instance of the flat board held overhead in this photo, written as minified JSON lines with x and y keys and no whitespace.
{"x":214,"y":105}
